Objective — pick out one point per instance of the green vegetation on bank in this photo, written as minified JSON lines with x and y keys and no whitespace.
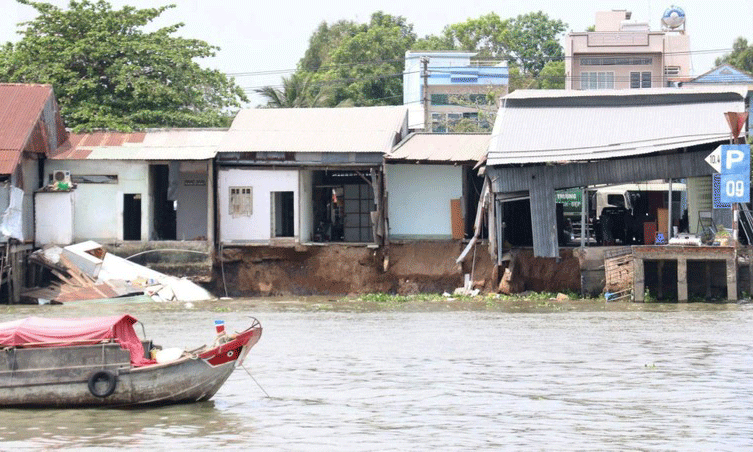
{"x":432,"y":297}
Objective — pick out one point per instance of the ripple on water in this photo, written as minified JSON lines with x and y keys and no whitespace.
{"x":589,"y":376}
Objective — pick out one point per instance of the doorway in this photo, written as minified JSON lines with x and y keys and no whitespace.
{"x":165,"y":217}
{"x":283,"y":218}
{"x":132,"y":216}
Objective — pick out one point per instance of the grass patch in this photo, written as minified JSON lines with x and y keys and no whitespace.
{"x":429,"y":297}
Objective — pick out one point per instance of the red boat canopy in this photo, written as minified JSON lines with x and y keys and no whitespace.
{"x":42,"y":332}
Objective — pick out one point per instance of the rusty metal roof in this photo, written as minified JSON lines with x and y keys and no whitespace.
{"x":157,"y":144}
{"x":357,"y":129}
{"x":21,"y":107}
{"x":441,"y":147}
{"x":539,"y":126}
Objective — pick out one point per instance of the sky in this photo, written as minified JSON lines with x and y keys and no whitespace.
{"x":261,"y":41}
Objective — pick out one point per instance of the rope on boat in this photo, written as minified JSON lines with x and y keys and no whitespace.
{"x":257,"y":383}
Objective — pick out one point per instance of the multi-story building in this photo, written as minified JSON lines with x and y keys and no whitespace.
{"x":621,"y":53}
{"x":463,"y":95}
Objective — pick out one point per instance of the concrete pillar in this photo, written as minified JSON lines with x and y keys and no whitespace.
{"x":732,"y":278}
{"x":639,"y":283}
{"x":682,"y":280}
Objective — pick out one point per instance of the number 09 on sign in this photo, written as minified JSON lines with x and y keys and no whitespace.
{"x":734,"y":188}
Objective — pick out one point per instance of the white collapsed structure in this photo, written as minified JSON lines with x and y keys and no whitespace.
{"x":86,"y":271}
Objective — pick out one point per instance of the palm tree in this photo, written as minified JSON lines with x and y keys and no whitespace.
{"x":297,"y":91}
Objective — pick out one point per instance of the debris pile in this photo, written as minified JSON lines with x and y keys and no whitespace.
{"x":86,"y":271}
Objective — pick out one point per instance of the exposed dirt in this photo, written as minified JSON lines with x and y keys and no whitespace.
{"x":426,"y":266}
{"x":525,"y":272}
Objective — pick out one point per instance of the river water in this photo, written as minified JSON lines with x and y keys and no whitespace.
{"x":346,"y":376}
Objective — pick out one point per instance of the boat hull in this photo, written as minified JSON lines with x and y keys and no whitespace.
{"x":65,"y":376}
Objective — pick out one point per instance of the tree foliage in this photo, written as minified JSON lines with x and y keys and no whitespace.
{"x":528,"y":41}
{"x":367,"y":66}
{"x":741,"y":56}
{"x":108,"y":73}
{"x":297,"y":91}
{"x":362,"y":64}
{"x":552,"y":76}
{"x":533,"y":41}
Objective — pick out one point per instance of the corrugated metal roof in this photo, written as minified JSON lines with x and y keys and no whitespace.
{"x":441,"y":147}
{"x":163,"y":144}
{"x":541,"y":126}
{"x":357,"y":129}
{"x":21,"y":107}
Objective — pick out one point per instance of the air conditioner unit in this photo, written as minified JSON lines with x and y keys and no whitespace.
{"x":61,"y":177}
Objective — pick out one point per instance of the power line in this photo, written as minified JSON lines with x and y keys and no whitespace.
{"x":478,"y":63}
{"x":335,"y":81}
{"x":319,"y":69}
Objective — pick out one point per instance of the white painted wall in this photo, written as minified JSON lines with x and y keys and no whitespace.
{"x":419,"y":200}
{"x":257,"y":227}
{"x":54,"y":218}
{"x":98,"y":211}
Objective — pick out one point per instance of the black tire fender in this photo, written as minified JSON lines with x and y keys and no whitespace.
{"x":102,"y":376}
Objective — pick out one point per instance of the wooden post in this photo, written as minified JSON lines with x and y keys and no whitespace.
{"x":17,"y":271}
{"x":639,"y":284}
{"x":708,"y":279}
{"x":682,"y":280}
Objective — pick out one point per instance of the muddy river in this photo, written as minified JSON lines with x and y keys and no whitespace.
{"x":345,"y":376}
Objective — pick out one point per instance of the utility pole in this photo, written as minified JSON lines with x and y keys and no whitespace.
{"x":425,"y":76}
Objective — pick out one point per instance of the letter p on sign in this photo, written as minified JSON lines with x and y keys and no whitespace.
{"x":733,"y":156}
{"x":736,"y":159}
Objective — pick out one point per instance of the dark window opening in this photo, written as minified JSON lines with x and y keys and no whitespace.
{"x":132,"y":216}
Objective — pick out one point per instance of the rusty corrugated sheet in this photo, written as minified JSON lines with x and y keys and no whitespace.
{"x":8,"y":160}
{"x":20,"y":108}
{"x":22,"y":122}
{"x":441,"y":147}
{"x":158,"y":144}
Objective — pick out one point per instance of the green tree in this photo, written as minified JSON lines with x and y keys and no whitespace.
{"x":108,"y":73}
{"x":528,"y":41}
{"x":324,"y":40}
{"x":534,"y":41}
{"x":741,"y":56}
{"x":552,"y":76}
{"x":488,"y":35}
{"x":367,"y":67}
{"x":297,"y":91}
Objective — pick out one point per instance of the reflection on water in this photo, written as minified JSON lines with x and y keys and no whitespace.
{"x":425,"y":376}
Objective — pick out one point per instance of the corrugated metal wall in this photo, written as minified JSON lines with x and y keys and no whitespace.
{"x":542,"y":180}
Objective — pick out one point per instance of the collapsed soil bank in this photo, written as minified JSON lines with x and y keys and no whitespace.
{"x":402,"y":268}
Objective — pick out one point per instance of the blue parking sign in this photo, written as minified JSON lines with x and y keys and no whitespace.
{"x":734,"y":188}
{"x":735,"y":178}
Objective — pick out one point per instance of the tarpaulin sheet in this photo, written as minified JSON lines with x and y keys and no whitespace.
{"x":43,"y":332}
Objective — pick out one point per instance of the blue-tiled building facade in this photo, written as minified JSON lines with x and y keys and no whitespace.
{"x":462,"y":91}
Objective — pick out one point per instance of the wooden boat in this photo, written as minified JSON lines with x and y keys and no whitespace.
{"x":102,"y":362}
